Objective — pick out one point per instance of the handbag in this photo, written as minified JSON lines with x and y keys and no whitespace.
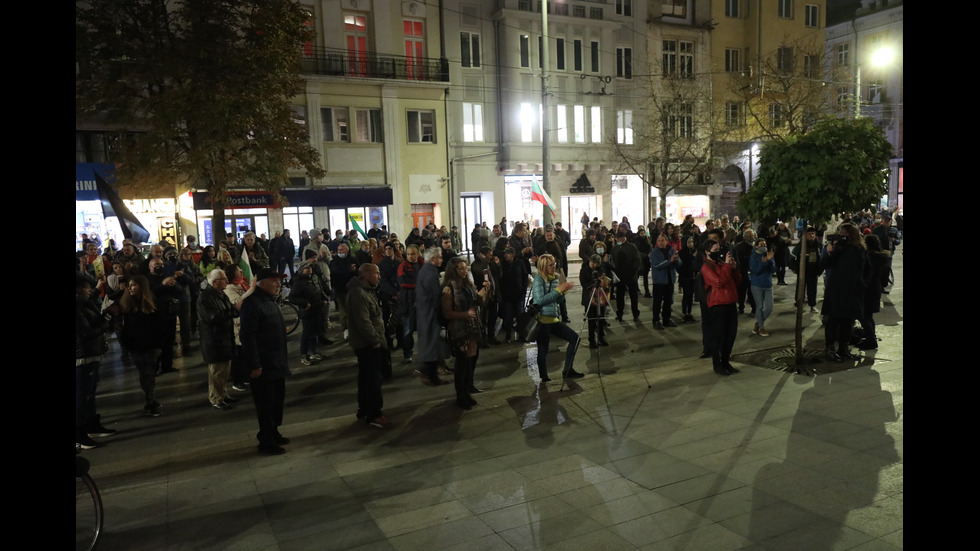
{"x":528,"y":323}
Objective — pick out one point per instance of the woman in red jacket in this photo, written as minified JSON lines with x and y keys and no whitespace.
{"x":721,"y":278}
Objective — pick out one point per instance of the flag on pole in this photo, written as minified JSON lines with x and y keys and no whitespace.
{"x":356,"y":226}
{"x":112,"y":205}
{"x":538,"y":194}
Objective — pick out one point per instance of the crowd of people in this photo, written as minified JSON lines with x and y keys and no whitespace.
{"x":428,"y":300}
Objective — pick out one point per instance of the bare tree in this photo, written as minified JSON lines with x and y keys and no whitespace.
{"x":787,"y":90}
{"x":669,"y":143}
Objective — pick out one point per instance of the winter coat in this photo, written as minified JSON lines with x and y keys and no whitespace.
{"x":513,"y":281}
{"x":664,"y":271}
{"x":90,"y":328}
{"x":545,"y":293}
{"x":849,"y":274}
{"x":217,"y":325}
{"x":720,"y":282}
{"x":365,"y":324}
{"x":428,"y":297}
{"x":263,"y":336}
{"x":761,"y":270}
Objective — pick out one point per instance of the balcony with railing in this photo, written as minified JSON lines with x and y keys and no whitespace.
{"x":338,"y":62}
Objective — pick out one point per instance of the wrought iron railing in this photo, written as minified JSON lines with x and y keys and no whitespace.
{"x":337,"y":62}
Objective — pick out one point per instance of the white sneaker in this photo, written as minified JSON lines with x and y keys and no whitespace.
{"x":316,"y":357}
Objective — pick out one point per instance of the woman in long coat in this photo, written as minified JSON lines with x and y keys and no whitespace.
{"x":845,"y":262}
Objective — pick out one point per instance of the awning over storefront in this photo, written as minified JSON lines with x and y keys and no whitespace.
{"x":335,"y":197}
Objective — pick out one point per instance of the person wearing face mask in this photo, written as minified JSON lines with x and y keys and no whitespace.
{"x":721,"y":277}
{"x":343,"y":268}
{"x":664,"y":262}
{"x":761,"y":269}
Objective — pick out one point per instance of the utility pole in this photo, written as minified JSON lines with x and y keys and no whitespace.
{"x":545,"y":157}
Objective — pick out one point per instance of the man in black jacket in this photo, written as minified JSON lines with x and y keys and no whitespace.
{"x":263,"y":336}
{"x":626,"y":262}
{"x":284,"y":253}
{"x":217,"y":332}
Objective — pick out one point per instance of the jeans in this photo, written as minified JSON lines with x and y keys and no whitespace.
{"x":663,"y":298}
{"x":544,"y":339}
{"x":721,"y":327}
{"x":763,"y":302}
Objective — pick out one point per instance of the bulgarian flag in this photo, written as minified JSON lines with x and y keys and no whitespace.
{"x":538,"y":194}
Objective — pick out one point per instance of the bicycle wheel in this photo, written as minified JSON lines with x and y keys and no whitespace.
{"x":88,"y":512}
{"x":290,"y":313}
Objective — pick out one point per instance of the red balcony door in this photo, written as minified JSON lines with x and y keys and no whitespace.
{"x":414,"y":50}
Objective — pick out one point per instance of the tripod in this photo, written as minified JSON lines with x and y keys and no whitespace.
{"x":594,"y":314}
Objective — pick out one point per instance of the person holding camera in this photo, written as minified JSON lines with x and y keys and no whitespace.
{"x":721,"y":278}
{"x":595,"y":298}
{"x":849,"y":273}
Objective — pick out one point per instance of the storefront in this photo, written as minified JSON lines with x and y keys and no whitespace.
{"x":158,"y":215}
{"x":332,"y":208}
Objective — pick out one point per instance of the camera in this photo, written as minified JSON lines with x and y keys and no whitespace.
{"x":836,"y":238}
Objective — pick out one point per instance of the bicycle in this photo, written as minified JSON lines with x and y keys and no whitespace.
{"x":289,"y":311}
{"x":89,"y":515}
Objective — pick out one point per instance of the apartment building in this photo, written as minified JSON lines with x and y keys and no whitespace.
{"x":768,"y":80}
{"x":867,"y":47}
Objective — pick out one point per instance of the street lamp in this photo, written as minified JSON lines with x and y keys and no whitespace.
{"x":879,"y":58}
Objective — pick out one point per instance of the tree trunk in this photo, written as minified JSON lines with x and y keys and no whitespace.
{"x":800,"y":291}
{"x":217,"y":224}
{"x":663,"y":206}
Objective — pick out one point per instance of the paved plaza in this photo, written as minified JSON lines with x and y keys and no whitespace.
{"x":651,"y":450}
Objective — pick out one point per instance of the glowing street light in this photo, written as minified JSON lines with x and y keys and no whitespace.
{"x":881,"y":57}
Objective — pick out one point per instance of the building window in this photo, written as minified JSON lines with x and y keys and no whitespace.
{"x":369,"y":127}
{"x":784,"y":59}
{"x":527,"y":122}
{"x":679,"y":122}
{"x":595,"y":13}
{"x":579,"y":127}
{"x":624,"y":126}
{"x":578,"y":11}
{"x":469,"y":47}
{"x":541,"y":52}
{"x":560,"y":53}
{"x":734,"y":114}
{"x":355,"y":32}
{"x":843,"y":93}
{"x":414,"y":37}
{"x":472,"y":122}
{"x":842,"y":54}
{"x":811,"y":15}
{"x":561,"y":121}
{"x":524,"y":5}
{"x":421,"y":127}
{"x":811,"y":66}
{"x":561,"y":9}
{"x":776,"y":119}
{"x":596,"y":120}
{"x":733,"y":60}
{"x":678,"y":58}
{"x":624,"y":7}
{"x":732,"y":8}
{"x":525,"y":50}
{"x":624,"y":62}
{"x":335,"y":124}
{"x":784,"y":8}
{"x":577,"y":54}
{"x":595,"y":57}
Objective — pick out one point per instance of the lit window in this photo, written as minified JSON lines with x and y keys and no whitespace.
{"x":472,"y":122}
{"x":624,"y":126}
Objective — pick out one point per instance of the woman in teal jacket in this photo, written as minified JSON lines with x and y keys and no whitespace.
{"x":549,"y":293}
